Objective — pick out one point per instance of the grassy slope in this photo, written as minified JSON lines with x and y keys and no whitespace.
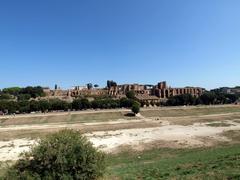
{"x":203,"y":163}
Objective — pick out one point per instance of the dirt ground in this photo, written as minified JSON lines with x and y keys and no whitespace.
{"x":111,"y":136}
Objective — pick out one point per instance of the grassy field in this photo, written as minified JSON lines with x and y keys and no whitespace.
{"x":111,"y":116}
{"x":202,"y":163}
{"x":196,"y":111}
{"x":71,"y":118}
{"x":219,"y":162}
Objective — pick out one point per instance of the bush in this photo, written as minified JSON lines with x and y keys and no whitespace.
{"x":79,"y":104}
{"x":126,"y":103}
{"x":57,"y":104}
{"x":105,"y":103}
{"x":180,"y":100}
{"x":130,"y":95}
{"x":136,"y":108}
{"x":64,"y":155}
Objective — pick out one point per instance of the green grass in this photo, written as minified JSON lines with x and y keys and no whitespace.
{"x":219,"y":124}
{"x":196,"y":111}
{"x":202,"y":163}
{"x":4,"y":166}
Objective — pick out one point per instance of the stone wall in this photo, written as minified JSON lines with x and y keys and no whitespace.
{"x":161,"y":90}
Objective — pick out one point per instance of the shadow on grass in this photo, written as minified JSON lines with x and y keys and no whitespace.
{"x":129,"y":115}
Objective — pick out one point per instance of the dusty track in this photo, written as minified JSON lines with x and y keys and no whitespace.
{"x":184,"y":131}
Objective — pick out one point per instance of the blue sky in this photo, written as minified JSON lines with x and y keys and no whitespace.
{"x":73,"y":42}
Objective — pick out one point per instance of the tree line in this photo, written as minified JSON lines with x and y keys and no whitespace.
{"x":208,"y":98}
{"x":11,"y":107}
{"x":21,"y":94}
{"x":23,"y":100}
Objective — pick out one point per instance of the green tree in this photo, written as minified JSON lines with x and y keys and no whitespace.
{"x":130,"y":94}
{"x":136,"y":108}
{"x":57,"y":104}
{"x":24,"y":106}
{"x":12,"y":90}
{"x":85,"y":103}
{"x":33,"y":91}
{"x":79,"y":104}
{"x":4,"y":96}
{"x":34,"y":106}
{"x":231,"y":97}
{"x":111,"y":84}
{"x":125,"y":102}
{"x":44,"y":105}
{"x":208,"y":98}
{"x":9,"y":106}
{"x":23,"y":97}
{"x":180,"y":100}
{"x":64,"y":155}
{"x":89,"y":86}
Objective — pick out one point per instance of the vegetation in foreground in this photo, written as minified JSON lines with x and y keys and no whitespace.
{"x":211,"y":163}
{"x":202,"y":163}
{"x":63,"y":155}
{"x":54,"y":157}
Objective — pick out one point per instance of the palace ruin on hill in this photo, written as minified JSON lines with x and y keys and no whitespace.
{"x":144,"y":93}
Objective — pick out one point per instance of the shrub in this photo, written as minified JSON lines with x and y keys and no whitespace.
{"x":136,"y":107}
{"x":130,"y":95}
{"x":64,"y":155}
{"x":79,"y":104}
{"x":126,"y":103}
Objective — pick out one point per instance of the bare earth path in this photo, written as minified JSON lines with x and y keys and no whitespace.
{"x":184,"y":131}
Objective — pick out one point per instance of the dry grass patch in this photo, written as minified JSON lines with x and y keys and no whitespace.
{"x":234,"y":135}
{"x":71,"y":118}
{"x":29,"y":134}
{"x":190,"y":120}
{"x":196,"y":111}
{"x":40,"y":132}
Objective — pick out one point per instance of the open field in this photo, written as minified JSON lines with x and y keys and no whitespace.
{"x":191,"y":111}
{"x":65,"y":117}
{"x":198,"y":163}
{"x":161,"y":142}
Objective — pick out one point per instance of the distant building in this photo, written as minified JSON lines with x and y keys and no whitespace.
{"x":235,"y":90}
{"x":144,"y":93}
{"x":161,"y":90}
{"x":228,"y":90}
{"x":164,"y":92}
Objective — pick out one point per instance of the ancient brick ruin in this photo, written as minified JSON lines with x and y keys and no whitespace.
{"x":144,"y":93}
{"x":153,"y":93}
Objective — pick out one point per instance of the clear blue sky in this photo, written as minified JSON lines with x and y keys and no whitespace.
{"x":73,"y":42}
